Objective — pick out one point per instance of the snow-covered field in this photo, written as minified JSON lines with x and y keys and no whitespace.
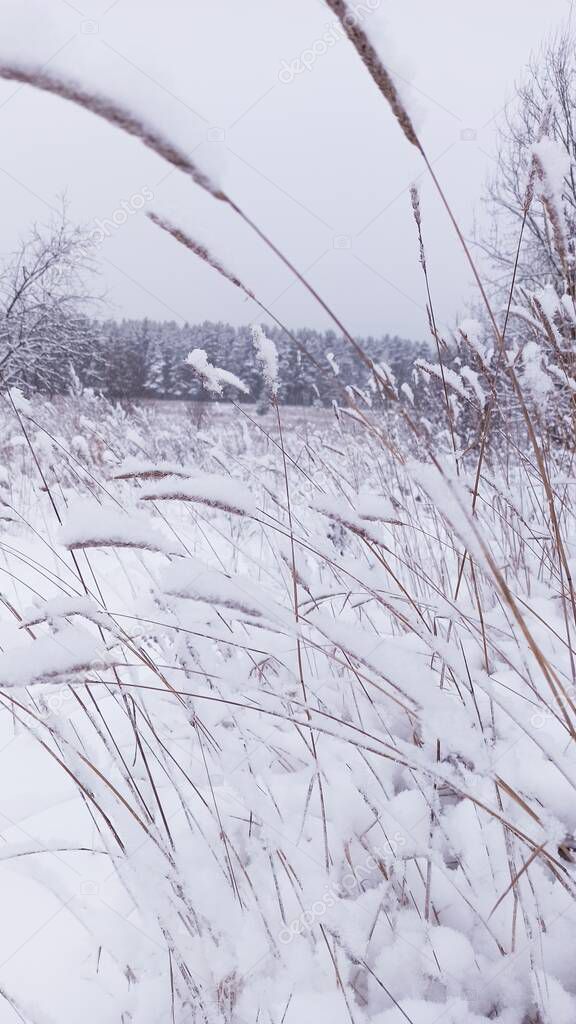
{"x":273,"y":747}
{"x":288,"y":701}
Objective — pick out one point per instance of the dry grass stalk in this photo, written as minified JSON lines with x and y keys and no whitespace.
{"x":381,"y":76}
{"x":115,"y":114}
{"x":199,"y":250}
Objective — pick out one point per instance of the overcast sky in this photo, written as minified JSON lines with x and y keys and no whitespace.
{"x":313,"y":154}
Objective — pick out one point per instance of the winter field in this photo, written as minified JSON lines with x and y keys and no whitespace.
{"x":288,"y":694}
{"x":288,"y":733}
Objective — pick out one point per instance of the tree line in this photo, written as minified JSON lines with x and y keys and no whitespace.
{"x":139,"y":359}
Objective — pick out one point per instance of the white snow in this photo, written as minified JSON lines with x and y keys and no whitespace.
{"x":212,"y":377}
{"x":209,"y":488}
{"x":89,"y":525}
{"x":66,"y":652}
{"x":268,"y":356}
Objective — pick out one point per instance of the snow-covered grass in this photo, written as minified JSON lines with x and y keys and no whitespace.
{"x":289,"y":701}
{"x":287,"y":731}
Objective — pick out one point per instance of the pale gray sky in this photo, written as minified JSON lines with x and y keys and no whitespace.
{"x":315,"y":157}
